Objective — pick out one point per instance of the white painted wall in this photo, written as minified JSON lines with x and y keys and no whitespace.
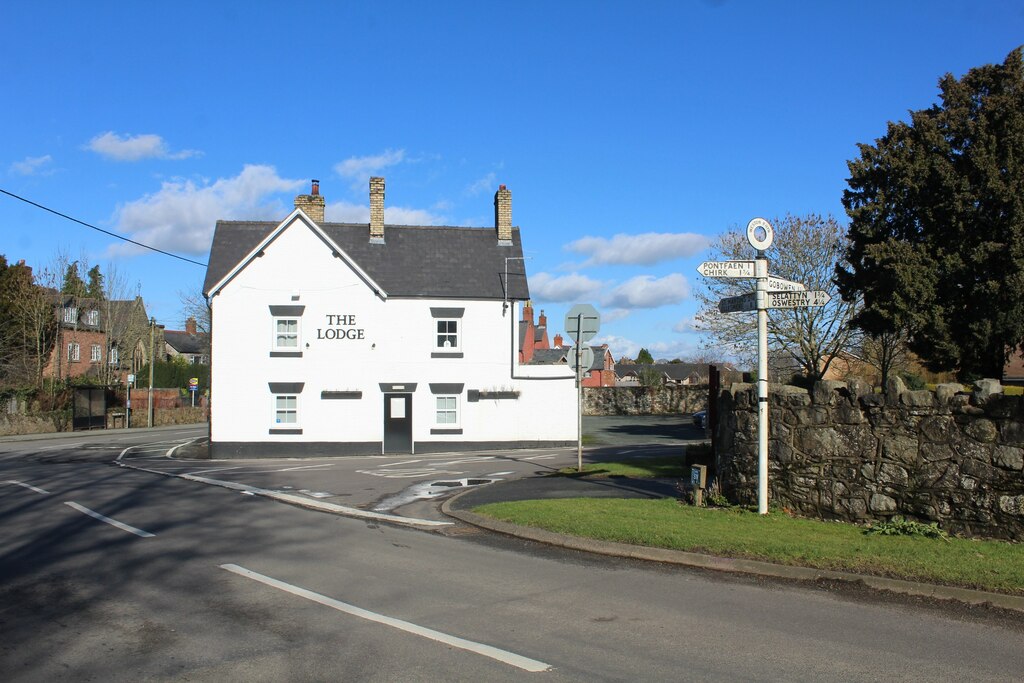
{"x":396,"y":348}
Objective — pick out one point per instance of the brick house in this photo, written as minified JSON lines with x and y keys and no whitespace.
{"x":102,"y":340}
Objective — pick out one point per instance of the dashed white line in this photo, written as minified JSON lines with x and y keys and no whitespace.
{"x":500,"y":655}
{"x":112,"y":522}
{"x":28,"y":486}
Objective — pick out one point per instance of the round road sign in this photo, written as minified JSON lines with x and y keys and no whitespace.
{"x":760,"y":234}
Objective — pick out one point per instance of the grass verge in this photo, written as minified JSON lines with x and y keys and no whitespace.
{"x":984,"y":565}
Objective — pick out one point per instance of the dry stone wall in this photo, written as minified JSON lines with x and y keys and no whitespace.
{"x":661,"y":400}
{"x":840,"y":451}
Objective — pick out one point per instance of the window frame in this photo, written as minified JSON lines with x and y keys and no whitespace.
{"x":74,"y":352}
{"x":112,"y":356}
{"x":438,"y":346}
{"x":71,"y":315}
{"x":92,"y":318}
{"x":454,"y":409}
{"x":278,"y":410}
{"x":275,"y":345}
{"x":95,"y":353}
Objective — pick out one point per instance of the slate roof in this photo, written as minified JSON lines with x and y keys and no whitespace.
{"x":548,"y":356}
{"x":183,"y":342}
{"x":415,"y":261}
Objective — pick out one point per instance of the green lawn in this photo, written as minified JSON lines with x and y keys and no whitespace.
{"x":779,"y":538}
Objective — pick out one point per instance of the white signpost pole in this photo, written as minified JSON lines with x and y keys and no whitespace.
{"x":762,"y":386}
{"x":760,"y":235}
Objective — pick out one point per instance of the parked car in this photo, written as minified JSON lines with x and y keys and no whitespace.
{"x":700,"y":419}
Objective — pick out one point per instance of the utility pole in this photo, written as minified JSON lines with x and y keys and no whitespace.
{"x":152,"y":331}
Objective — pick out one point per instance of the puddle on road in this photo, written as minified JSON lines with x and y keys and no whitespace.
{"x":427,"y":490}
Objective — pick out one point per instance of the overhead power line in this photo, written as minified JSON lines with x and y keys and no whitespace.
{"x":105,"y":232}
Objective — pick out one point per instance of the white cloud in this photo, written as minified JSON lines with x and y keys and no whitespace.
{"x":135,"y":147}
{"x":359,"y":169}
{"x":482,"y":184}
{"x":180,"y":217}
{"x":32,"y":166}
{"x":545,"y":287}
{"x":644,"y":291}
{"x":614,"y":314}
{"x":686,"y":325}
{"x":623,"y":346}
{"x":644,"y":249}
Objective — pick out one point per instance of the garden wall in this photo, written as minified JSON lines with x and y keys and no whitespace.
{"x":662,"y":400}
{"x":841,"y":451}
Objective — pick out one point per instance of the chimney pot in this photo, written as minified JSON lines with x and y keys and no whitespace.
{"x":312,"y":204}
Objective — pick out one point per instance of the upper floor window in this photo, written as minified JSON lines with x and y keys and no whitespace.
{"x":287,"y":331}
{"x":286,"y":334}
{"x":95,"y":353}
{"x":70,"y":314}
{"x":447,"y":334}
{"x":74,"y":352}
{"x":92,"y":318}
{"x":112,"y":356}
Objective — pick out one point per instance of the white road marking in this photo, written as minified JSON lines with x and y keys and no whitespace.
{"x":504,"y":656}
{"x":539,"y":457}
{"x":404,"y":462}
{"x":498,"y":474}
{"x":63,"y":445}
{"x":408,"y":474}
{"x":108,"y":520}
{"x":304,"y":467}
{"x":28,"y":486}
{"x":215,"y":469}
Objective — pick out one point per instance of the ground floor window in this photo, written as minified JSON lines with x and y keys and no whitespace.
{"x":95,"y":353}
{"x":447,"y":414}
{"x":286,"y":410}
{"x":74,"y":352}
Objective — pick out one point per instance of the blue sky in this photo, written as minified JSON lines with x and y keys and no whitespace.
{"x":630,"y":134}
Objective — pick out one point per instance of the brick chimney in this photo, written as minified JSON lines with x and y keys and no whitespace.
{"x":503,"y":215}
{"x":190,"y":326}
{"x":312,"y":204}
{"x":542,"y":321}
{"x":558,"y":341}
{"x":376,"y":209}
{"x":528,"y":312}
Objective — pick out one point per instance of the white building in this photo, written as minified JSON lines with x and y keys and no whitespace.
{"x":332,"y":339}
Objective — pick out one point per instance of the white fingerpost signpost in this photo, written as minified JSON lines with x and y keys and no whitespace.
{"x":581,"y":323}
{"x":769,"y":292}
{"x":760,"y":235}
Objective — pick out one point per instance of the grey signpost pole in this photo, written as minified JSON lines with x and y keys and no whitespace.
{"x":579,"y":398}
{"x":760,"y":236}
{"x":581,"y":322}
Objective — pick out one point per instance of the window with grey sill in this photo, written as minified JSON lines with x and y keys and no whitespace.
{"x":447,"y":332}
{"x":446,"y":415}
{"x":287,"y":337}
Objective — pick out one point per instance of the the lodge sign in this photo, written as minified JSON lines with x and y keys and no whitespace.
{"x":340,"y":327}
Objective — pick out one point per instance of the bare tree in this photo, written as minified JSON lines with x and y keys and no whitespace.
{"x":887,"y":352}
{"x":806,"y":250}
